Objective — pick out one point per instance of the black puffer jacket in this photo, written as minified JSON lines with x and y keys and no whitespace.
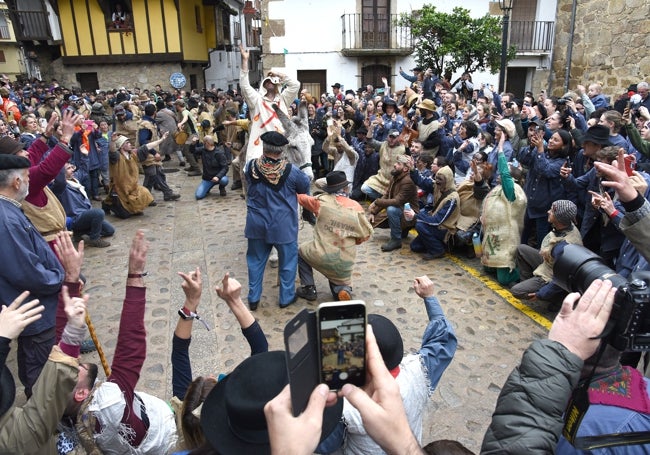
{"x":528,"y":415}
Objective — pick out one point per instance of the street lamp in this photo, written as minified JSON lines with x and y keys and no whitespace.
{"x":506,"y":7}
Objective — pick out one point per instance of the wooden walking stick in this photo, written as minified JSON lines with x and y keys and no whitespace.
{"x":100,"y":351}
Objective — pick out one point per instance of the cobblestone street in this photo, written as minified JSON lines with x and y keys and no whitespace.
{"x":209,"y":233}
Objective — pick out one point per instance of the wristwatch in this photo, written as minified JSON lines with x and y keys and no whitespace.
{"x":188,"y":315}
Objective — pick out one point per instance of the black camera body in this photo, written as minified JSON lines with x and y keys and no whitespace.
{"x":561,"y":101}
{"x":628,"y":328}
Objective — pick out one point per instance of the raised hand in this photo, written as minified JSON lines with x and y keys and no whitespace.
{"x":423,"y":286}
{"x":192,"y":287}
{"x":230,"y":289}
{"x":75,"y":308}
{"x":565,"y":170}
{"x":70,"y":258}
{"x":138,"y":253}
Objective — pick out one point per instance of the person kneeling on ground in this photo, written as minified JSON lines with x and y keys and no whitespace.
{"x":341,"y":225}
{"x":126,"y":196}
{"x":215,"y":168}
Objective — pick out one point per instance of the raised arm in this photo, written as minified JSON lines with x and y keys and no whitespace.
{"x":230,"y":292}
{"x":181,"y":365}
{"x":439,"y":340}
{"x":131,"y":348}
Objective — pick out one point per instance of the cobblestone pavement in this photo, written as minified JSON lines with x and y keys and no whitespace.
{"x":209,"y":233}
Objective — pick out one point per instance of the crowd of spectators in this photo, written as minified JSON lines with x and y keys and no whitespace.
{"x":511,"y":178}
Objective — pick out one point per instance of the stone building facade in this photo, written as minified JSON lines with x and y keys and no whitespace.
{"x":111,"y":76}
{"x":610,"y":42}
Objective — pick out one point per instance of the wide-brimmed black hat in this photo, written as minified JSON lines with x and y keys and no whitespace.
{"x":336,"y":180}
{"x":232,"y":416}
{"x":388,"y":338}
{"x":598,"y":134}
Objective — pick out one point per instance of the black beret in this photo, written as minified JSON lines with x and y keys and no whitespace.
{"x":9,"y":146}
{"x":274,"y":138}
{"x":13,"y":162}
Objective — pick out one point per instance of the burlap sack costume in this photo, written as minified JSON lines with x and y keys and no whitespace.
{"x":503,"y":222}
{"x":333,"y":250}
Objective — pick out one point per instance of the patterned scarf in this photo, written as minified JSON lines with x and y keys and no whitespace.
{"x":624,"y":388}
{"x":269,"y":169}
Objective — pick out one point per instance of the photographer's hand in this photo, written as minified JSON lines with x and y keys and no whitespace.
{"x":627,"y":116}
{"x":577,"y":328}
{"x":643,"y":112}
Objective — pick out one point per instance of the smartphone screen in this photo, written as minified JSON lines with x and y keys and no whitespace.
{"x":342,"y":343}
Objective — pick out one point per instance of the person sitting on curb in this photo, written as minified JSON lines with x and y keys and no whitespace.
{"x":434,"y":226}
{"x":536,"y":266}
{"x":81,"y":218}
{"x":401,"y":190}
{"x":341,"y":225}
{"x":416,"y":374}
{"x":215,"y":168}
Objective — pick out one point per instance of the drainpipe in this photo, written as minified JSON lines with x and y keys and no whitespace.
{"x":569,"y":52}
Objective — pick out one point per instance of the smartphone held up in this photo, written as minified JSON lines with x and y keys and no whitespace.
{"x":342,"y":343}
{"x":328,"y":346}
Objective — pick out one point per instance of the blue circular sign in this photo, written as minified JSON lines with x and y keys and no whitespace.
{"x":177,"y":80}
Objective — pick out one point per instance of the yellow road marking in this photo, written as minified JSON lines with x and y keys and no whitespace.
{"x":495,"y":287}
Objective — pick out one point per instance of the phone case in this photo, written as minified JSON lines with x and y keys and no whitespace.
{"x":302,"y":365}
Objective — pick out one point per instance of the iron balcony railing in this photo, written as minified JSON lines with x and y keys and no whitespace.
{"x":375,"y":31}
{"x":532,"y":36}
{"x":31,"y":25}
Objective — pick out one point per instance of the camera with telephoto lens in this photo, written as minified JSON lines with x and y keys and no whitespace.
{"x":628,"y":328}
{"x":562,"y":101}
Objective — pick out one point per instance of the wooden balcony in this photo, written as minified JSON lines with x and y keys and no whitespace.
{"x":374,"y":34}
{"x":31,"y":25}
